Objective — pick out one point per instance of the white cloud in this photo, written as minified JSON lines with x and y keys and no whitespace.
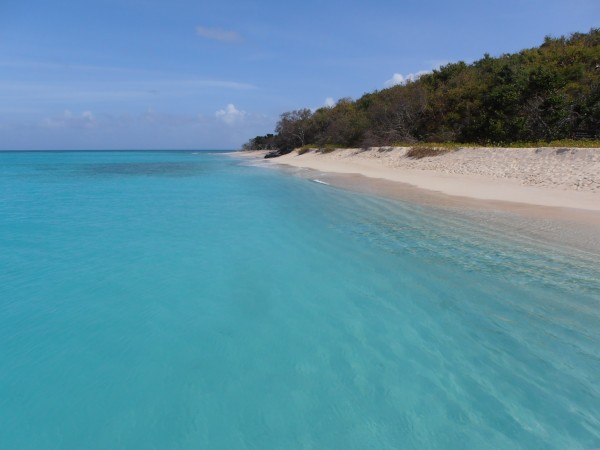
{"x":217,"y":34}
{"x":329,"y":102}
{"x":398,"y":78}
{"x":230,"y":114}
{"x":69,"y":120}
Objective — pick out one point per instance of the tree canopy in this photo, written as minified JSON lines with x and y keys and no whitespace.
{"x":540,"y":94}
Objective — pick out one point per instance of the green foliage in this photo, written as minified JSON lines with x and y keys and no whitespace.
{"x":327,"y":149}
{"x":576,"y":143}
{"x":541,"y":94}
{"x":266,"y":142}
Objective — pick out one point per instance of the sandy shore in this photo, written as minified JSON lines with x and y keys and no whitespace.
{"x":550,"y":195}
{"x":554,"y":177}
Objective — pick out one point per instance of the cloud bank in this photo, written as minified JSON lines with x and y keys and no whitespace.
{"x":68,"y":120}
{"x":83,"y":129}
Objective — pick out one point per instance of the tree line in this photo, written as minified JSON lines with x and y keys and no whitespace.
{"x":541,"y":94}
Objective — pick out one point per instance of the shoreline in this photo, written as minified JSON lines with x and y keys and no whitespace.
{"x":517,"y":175}
{"x":561,"y":216}
{"x":542,"y":177}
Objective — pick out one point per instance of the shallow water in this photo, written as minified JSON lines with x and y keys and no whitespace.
{"x":180,"y":300}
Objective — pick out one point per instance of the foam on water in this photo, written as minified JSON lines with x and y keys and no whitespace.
{"x":176,"y":300}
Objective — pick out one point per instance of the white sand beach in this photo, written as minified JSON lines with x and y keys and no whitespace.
{"x":554,"y":177}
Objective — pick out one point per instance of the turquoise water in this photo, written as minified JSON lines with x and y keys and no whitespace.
{"x":184,"y":301}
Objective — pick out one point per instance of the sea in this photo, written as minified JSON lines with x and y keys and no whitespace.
{"x":194,"y":300}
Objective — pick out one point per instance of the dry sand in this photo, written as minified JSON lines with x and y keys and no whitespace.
{"x":555,"y":177}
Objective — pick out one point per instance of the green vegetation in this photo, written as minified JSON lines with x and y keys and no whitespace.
{"x":549,"y":94}
{"x":328,"y":148}
{"x":578,"y":143}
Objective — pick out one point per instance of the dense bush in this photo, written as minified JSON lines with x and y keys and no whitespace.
{"x":541,"y":94}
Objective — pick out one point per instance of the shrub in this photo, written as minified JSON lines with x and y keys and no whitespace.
{"x":328,"y":148}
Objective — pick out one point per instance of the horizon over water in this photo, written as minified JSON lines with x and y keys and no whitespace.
{"x":186,"y":299}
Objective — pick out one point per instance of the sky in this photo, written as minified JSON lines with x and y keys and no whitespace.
{"x":191,"y":74}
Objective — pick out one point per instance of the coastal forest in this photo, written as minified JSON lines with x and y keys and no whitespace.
{"x":545,"y":93}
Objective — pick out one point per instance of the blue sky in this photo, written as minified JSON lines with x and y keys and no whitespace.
{"x":137,"y":74}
